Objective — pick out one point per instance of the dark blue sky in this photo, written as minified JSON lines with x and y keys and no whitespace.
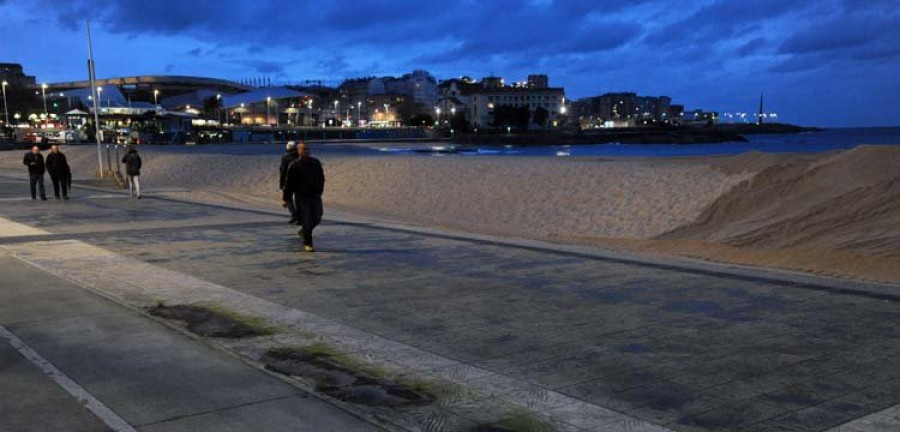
{"x":822,"y":62}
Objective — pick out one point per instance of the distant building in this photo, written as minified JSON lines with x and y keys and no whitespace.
{"x":538,"y":81}
{"x":420,"y":85}
{"x":456,"y":95}
{"x":154,"y":88}
{"x":700,"y":117}
{"x":364,"y":99}
{"x":493,"y":93}
{"x":279,"y":106}
{"x":15,"y":76}
{"x":624,"y":108}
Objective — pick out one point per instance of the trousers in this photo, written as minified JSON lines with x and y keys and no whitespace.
{"x":309,"y":214}
{"x":134,"y":185}
{"x":37,"y":183}
{"x":60,"y":182}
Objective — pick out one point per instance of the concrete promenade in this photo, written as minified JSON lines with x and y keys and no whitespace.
{"x":568,"y":338}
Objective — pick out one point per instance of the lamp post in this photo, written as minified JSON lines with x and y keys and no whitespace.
{"x":438,"y":111}
{"x":268,"y":110}
{"x":5,"y":107}
{"x":386,"y":106}
{"x":100,"y":96}
{"x":242,"y":113}
{"x":44,"y":96}
{"x":219,"y":108}
{"x":359,"y":112}
{"x":335,"y":114}
{"x":155,"y":97}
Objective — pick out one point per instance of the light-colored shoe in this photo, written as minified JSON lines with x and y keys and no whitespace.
{"x":308,"y":248}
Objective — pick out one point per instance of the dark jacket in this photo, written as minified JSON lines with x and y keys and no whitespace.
{"x":35,"y":163}
{"x":132,"y":163}
{"x":305,"y":179}
{"x":57,"y":165}
{"x":285,"y":162}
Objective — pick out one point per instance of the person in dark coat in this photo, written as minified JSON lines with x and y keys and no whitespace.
{"x":290,"y":155}
{"x":132,"y":161}
{"x":36,"y":168}
{"x":60,"y":174}
{"x":303,"y":185}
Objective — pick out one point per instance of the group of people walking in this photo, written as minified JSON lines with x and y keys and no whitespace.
{"x":61,"y":174}
{"x":302,"y":181}
{"x":56,"y":165}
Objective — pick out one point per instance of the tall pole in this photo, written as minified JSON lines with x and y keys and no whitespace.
{"x":93,"y":79}
{"x":5,"y":106}
{"x":759,"y":115}
{"x":44,"y":97}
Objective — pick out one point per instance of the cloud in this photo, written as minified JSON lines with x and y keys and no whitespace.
{"x":262,"y":66}
{"x":843,"y":34}
{"x":751,"y":47}
{"x":723,"y":19}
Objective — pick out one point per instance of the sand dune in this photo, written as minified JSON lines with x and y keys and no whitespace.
{"x":835,"y":213}
{"x":846,"y":201}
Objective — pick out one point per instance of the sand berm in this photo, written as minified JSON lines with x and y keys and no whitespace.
{"x":835,"y":213}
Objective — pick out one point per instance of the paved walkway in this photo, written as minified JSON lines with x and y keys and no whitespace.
{"x":73,"y":361}
{"x":683,"y":349}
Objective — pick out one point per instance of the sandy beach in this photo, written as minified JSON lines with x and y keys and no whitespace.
{"x":834,"y":213}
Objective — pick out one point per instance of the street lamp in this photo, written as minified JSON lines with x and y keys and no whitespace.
{"x":155,"y":97}
{"x":268,"y":110}
{"x":5,"y":107}
{"x":359,"y":112}
{"x":44,"y":96}
{"x":438,"y":111}
{"x":100,"y":96}
{"x":219,"y":108}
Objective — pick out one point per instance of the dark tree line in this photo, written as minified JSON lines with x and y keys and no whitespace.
{"x":518,"y":117}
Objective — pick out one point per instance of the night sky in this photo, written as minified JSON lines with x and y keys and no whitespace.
{"x":822,"y":62}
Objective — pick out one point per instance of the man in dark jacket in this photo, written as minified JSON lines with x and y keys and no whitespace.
{"x":303,"y":185}
{"x":58,"y":168}
{"x":132,"y":163}
{"x":35,"y":163}
{"x":290,"y":155}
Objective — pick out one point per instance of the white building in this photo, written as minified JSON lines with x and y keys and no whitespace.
{"x":494,"y":93}
{"x":419,"y":84}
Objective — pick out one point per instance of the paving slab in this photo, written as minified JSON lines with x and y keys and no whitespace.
{"x":30,"y":401}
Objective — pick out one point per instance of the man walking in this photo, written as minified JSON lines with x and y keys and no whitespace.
{"x":60,"y":174}
{"x":290,"y":155}
{"x":304,"y":183}
{"x":35,"y":163}
{"x":132,"y":163}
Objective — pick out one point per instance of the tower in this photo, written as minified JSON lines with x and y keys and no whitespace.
{"x":759,"y":115}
